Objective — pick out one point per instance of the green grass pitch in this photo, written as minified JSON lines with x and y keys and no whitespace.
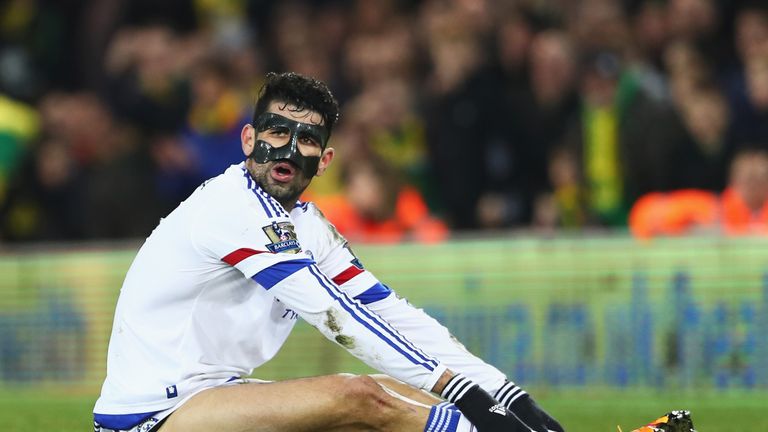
{"x":587,"y":411}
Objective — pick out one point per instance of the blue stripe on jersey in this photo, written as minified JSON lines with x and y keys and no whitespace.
{"x":276,"y":206}
{"x":389,"y":329}
{"x":280,"y":207}
{"x":374,"y":293}
{"x":263,"y":204}
{"x":271,"y":276}
{"x":264,"y":197}
{"x":247,"y":176}
{"x":359,"y":313}
{"x":121,"y":421}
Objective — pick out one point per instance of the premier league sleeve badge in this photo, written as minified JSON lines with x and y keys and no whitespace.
{"x":283,"y":238}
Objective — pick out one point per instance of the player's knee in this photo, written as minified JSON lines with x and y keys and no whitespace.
{"x":358,"y":400}
{"x":362,"y":388}
{"x":371,"y":402}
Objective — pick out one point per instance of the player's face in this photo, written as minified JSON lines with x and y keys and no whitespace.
{"x":282,"y":178}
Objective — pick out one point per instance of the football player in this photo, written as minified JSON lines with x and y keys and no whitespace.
{"x":217,"y":287}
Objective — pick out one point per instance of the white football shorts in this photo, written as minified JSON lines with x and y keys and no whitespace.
{"x":153,"y":423}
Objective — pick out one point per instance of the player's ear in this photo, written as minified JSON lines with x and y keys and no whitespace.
{"x":325,"y":160}
{"x":248,"y":139}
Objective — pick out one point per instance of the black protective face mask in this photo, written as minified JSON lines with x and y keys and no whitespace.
{"x":263,"y":152}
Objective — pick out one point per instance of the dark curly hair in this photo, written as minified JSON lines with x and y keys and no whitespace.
{"x":300,"y":91}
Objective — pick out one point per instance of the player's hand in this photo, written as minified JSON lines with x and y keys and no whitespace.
{"x":527,"y":410}
{"x":524,"y":407}
{"x":531,"y":413}
{"x":529,"y":404}
{"x":488,"y":415}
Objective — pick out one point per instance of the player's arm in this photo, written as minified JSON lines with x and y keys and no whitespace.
{"x":372,"y":339}
{"x":335,"y":258}
{"x":303,"y":287}
{"x":338,"y":260}
{"x":436,"y":340}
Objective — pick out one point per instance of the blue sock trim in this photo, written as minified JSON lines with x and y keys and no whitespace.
{"x":453,"y":420}
{"x":443,"y":418}
{"x":429,"y":427}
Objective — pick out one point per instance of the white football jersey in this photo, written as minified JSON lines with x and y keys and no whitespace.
{"x":216,"y":288}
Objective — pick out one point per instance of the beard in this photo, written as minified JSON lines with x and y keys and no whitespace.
{"x":284,"y":192}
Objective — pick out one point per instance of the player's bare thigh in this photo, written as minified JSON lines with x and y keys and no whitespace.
{"x":328,"y":403}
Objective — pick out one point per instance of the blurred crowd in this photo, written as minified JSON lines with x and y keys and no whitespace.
{"x":456,"y":114}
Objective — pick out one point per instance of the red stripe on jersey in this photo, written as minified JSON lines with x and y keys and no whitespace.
{"x":346,"y":275}
{"x":239,"y":255}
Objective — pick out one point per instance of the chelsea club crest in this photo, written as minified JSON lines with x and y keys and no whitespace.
{"x":283,"y":238}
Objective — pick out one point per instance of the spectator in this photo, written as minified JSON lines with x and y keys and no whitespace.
{"x":623,"y":137}
{"x":741,"y":209}
{"x":19,"y":124}
{"x":746,"y":86}
{"x":598,"y":24}
{"x":386,"y":114}
{"x":687,"y":69}
{"x":514,"y":34}
{"x":692,"y":19}
{"x":202,"y":147}
{"x":38,"y":47}
{"x":374,"y":207}
{"x":750,"y":103}
{"x":44,"y":199}
{"x":115,"y":170}
{"x":468,"y":129}
{"x":549,"y":104}
{"x":567,"y":205}
{"x":650,"y":35}
{"x":701,"y":158}
{"x":216,"y":113}
{"x":745,"y":202}
{"x":147,"y":85}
